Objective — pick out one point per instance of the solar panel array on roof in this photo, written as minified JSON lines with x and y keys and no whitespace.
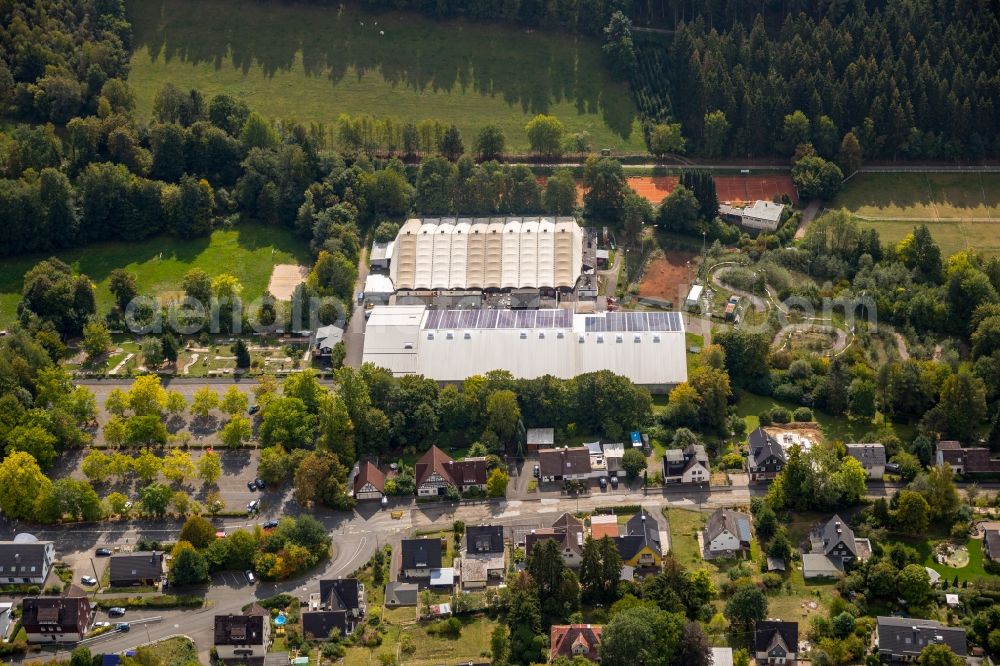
{"x":486,"y":319}
{"x":615,"y":322}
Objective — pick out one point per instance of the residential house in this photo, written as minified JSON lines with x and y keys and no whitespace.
{"x":540,"y":438}
{"x":604,"y":526}
{"x":436,"y":471}
{"x":575,"y":640}
{"x":243,"y":637}
{"x":727,"y":532}
{"x":598,"y":467}
{"x":639,"y":542}
{"x":903,"y":638}
{"x":776,"y":642}
{"x":25,"y":560}
{"x":966,"y":461}
{"x":340,"y":606}
{"x":398,"y":593}
{"x":871,"y":457}
{"x":139,"y":568}
{"x":564,"y":464}
{"x":567,"y":532}
{"x":767,"y":458}
{"x":420,"y":556}
{"x":991,"y":544}
{"x":836,"y":539}
{"x":613,"y":454}
{"x":689,"y":465}
{"x":56,"y":619}
{"x":369,"y":482}
{"x":722,"y":656}
{"x":327,"y":338}
{"x":483,"y":559}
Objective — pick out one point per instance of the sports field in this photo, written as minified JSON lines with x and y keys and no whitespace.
{"x":961,"y":210}
{"x":248,"y":252}
{"x":312,"y":62}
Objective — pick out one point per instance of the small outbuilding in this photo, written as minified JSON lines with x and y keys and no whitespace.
{"x":540,"y":438}
{"x":693,"y":299}
{"x":381,"y":255}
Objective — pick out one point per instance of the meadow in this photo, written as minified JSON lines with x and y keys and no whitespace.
{"x":249,"y":252}
{"x":313,"y":62}
{"x":961,"y":210}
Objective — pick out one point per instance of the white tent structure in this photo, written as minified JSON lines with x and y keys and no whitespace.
{"x":451,"y":345}
{"x":488,"y":253}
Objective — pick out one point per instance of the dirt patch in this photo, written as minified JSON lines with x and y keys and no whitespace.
{"x":747,"y":189}
{"x":798,"y":431}
{"x":284,"y":279}
{"x":668,"y":276}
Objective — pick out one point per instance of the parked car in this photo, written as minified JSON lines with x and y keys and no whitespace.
{"x":603,"y":483}
{"x":88,"y":580}
{"x":250,"y":577}
{"x":116,"y":611}
{"x":251,"y":486}
{"x":123,"y":626}
{"x":253,"y":506}
{"x":537,"y":472}
{"x":614,"y":482}
{"x":103,"y":552}
{"x":253,"y":410}
{"x":260,"y":484}
{"x":271,"y":524}
{"x":101,"y":625}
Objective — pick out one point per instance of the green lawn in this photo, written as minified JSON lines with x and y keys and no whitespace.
{"x":429,"y":649}
{"x":969,"y":572}
{"x":313,"y":62}
{"x":684,"y":526}
{"x":962,"y":210}
{"x":249,"y":252}
{"x":833,"y":427}
{"x":175,"y":651}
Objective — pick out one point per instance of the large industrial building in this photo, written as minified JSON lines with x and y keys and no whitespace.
{"x":495,"y":253}
{"x":451,"y":345}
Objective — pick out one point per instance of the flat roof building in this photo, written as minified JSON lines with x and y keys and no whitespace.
{"x":450,"y":345}
{"x":487,"y":253}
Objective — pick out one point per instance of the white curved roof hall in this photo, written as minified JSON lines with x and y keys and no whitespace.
{"x":488,"y":253}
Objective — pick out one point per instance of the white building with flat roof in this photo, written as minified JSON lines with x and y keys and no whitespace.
{"x":450,"y":345}
{"x":487,"y":253}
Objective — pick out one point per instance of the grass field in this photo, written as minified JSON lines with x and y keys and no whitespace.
{"x":249,"y":252}
{"x":925,"y":547}
{"x":313,"y":62}
{"x":962,"y":210}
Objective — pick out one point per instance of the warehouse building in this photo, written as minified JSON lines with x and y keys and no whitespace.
{"x":450,"y":345}
{"x":496,"y":253}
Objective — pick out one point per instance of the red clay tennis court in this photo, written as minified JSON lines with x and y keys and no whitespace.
{"x":653,"y":188}
{"x":752,"y":188}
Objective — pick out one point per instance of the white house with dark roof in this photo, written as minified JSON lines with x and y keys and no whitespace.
{"x":776,"y":642}
{"x":767,"y":458}
{"x":689,"y":465}
{"x":25,"y":560}
{"x":871,"y":457}
{"x":727,"y":532}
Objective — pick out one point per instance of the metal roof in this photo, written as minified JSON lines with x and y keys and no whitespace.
{"x":454,"y":345}
{"x":479,"y":253}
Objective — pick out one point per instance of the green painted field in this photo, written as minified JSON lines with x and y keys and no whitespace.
{"x":962,"y":210}
{"x":249,"y":252}
{"x":312,"y":62}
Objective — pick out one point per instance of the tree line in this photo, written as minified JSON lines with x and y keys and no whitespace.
{"x":863,"y":73}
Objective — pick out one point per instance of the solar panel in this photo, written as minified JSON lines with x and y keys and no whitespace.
{"x":433,"y":317}
{"x":545,"y":319}
{"x":468,"y":319}
{"x":563,"y":319}
{"x":526,"y":319}
{"x":506,"y":319}
{"x":489,"y":319}
{"x":676,"y":323}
